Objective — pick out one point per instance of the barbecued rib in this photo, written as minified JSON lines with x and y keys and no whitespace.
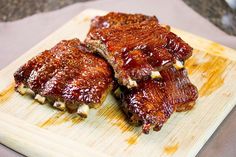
{"x":152,"y":103}
{"x":180,"y":90}
{"x":68,"y":75}
{"x":136,"y":50}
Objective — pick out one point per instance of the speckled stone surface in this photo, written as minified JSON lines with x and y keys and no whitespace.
{"x":219,"y":12}
{"x":11,"y":10}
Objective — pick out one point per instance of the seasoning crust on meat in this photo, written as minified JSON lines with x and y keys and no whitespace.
{"x":118,"y":19}
{"x":68,"y":74}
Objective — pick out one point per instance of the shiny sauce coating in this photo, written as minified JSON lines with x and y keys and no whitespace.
{"x":134,"y":50}
{"x":152,"y":103}
{"x":68,"y":72}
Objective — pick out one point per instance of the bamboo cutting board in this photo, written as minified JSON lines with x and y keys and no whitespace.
{"x":39,"y":130}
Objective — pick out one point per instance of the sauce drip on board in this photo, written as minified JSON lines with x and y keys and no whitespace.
{"x":211,"y":70}
{"x":60,"y":118}
{"x":169,"y":150}
{"x":7,"y":93}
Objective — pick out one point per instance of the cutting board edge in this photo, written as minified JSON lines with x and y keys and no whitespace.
{"x":200,"y":144}
{"x":14,"y":135}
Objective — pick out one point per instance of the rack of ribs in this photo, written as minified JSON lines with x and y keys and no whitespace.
{"x":148,"y":61}
{"x":154,"y":100}
{"x":136,"y":50}
{"x":68,"y":76}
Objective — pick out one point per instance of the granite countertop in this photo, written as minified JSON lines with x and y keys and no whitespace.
{"x":222,"y":13}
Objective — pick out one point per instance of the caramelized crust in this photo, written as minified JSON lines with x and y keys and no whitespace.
{"x":152,"y":103}
{"x":136,"y":49}
{"x":136,"y":46}
{"x":180,"y":91}
{"x":177,"y":47}
{"x":147,"y":105}
{"x":68,"y":73}
{"x":118,"y":19}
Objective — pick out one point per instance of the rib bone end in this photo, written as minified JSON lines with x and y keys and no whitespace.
{"x":83,"y":111}
{"x":59,"y":105}
{"x":40,"y":98}
{"x":132,"y":83}
{"x":155,"y":74}
{"x":21,"y":89}
{"x":178,"y":65}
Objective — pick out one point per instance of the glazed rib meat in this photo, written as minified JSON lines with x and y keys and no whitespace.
{"x":148,"y":64}
{"x":180,"y":91}
{"x":148,"y":61}
{"x":68,"y":76}
{"x":136,"y":49}
{"x":152,"y":103}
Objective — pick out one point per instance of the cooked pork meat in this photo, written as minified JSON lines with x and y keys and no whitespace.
{"x":149,"y":57}
{"x":152,"y":103}
{"x":135,"y":50}
{"x":68,"y":75}
{"x":180,"y":91}
{"x":118,"y":19}
{"x":147,"y":105}
{"x":147,"y":60}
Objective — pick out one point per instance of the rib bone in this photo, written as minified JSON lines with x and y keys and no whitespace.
{"x":155,"y":74}
{"x":40,"y":98}
{"x":21,"y":89}
{"x":83,"y":110}
{"x":59,"y":105}
{"x":132,"y":83}
{"x":178,"y":65}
